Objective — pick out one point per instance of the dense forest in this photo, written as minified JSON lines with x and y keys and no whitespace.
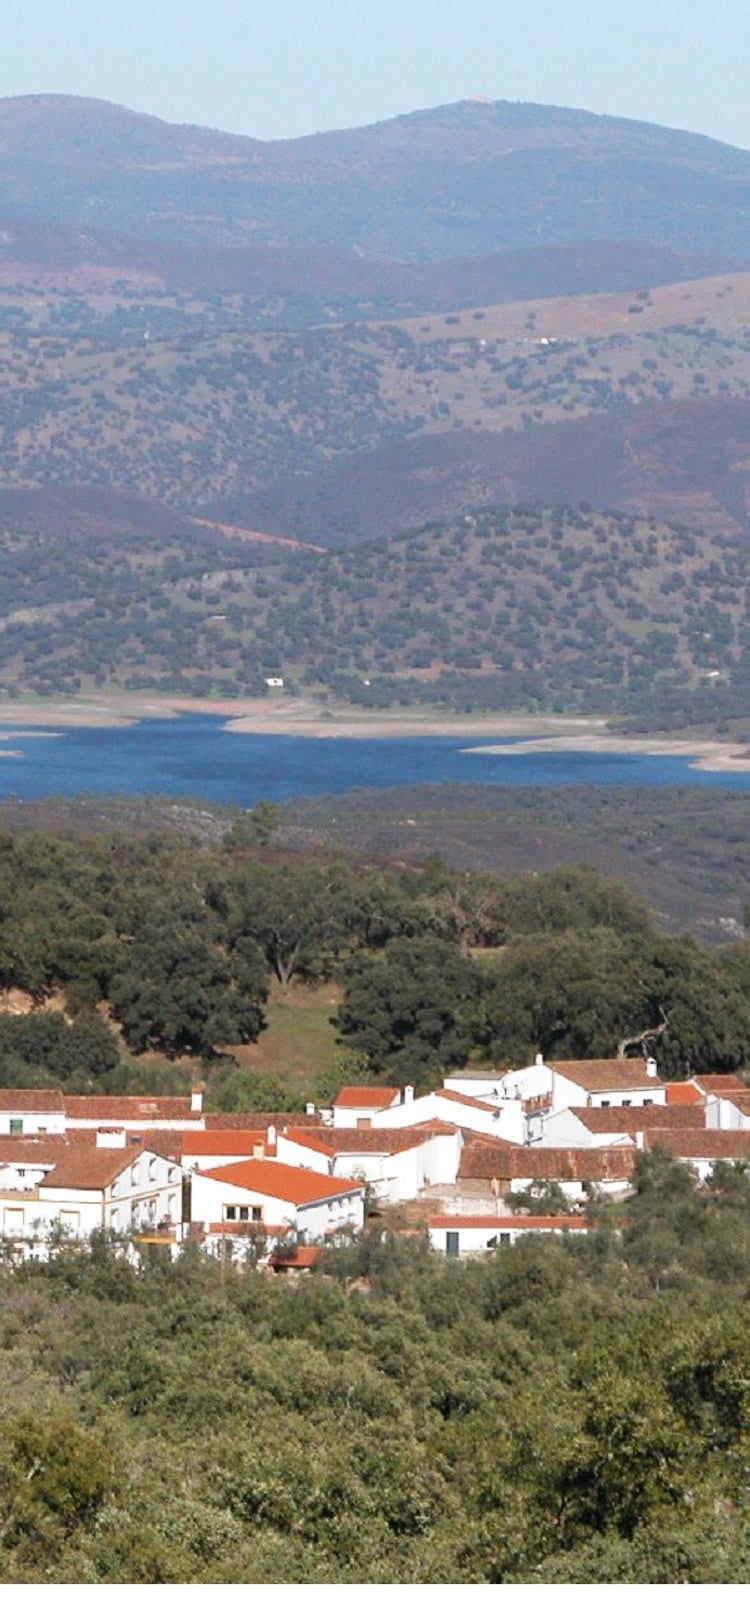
{"x":123,"y":947}
{"x":561,"y":1412}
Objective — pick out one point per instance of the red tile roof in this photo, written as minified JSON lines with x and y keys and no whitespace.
{"x":220,"y":1142}
{"x":280,"y":1182}
{"x":708,"y":1144}
{"x":600,"y":1075}
{"x":50,"y":1100}
{"x":107,"y":1109}
{"x":490,"y":1106}
{"x":503,"y":1161}
{"x":633,"y":1119}
{"x":17,"y":1150}
{"x":720,"y":1083}
{"x":356,"y":1141}
{"x":366,"y":1097}
{"x":303,"y":1257}
{"x":86,"y":1168}
{"x":683,"y":1094}
{"x":514,"y":1224}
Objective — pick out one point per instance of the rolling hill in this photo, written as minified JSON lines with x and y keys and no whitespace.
{"x":378,"y":342}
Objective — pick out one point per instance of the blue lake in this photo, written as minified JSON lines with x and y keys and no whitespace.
{"x":194,"y":755}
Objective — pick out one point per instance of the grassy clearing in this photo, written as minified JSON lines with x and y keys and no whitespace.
{"x":299,"y":1043}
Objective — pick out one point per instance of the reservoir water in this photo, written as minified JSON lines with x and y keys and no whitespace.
{"x":194,"y":755}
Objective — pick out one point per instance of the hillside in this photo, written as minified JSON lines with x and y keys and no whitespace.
{"x":257,"y":428}
{"x":493,"y":609}
{"x":343,"y":340}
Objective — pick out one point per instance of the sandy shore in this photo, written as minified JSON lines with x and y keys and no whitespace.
{"x":298,"y":717}
{"x":706,"y":754}
{"x":307,"y":718}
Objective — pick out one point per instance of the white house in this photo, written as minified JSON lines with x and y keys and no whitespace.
{"x":268,"y":1195}
{"x":590,"y":1126}
{"x":396,"y":1163}
{"x":135,"y":1113}
{"x":354,"y":1107}
{"x":471,"y":1236}
{"x":88,"y":1188}
{"x":32,"y":1111}
{"x":497,"y":1120}
{"x":489,"y":1166}
{"x":701,"y":1149}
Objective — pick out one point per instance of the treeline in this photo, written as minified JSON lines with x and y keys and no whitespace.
{"x":563,"y":1411}
{"x":172,"y":946}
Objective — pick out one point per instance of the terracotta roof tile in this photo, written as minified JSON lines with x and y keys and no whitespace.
{"x":709,"y":1144}
{"x":683,"y":1094}
{"x":633,"y":1119}
{"x":610,"y":1074}
{"x":303,"y":1257}
{"x":490,"y":1106}
{"x":482,"y":1159}
{"x":280,"y":1182}
{"x":514,"y":1224}
{"x":366,"y":1097}
{"x":389,"y":1141}
{"x":719,"y":1083}
{"x":105,"y":1109}
{"x":222,"y":1142}
{"x":50,"y":1100}
{"x":86,"y":1168}
{"x":15,"y":1149}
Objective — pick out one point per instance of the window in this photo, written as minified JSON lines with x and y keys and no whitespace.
{"x":451,"y":1244}
{"x":627,"y":1102}
{"x":504,"y":1238}
{"x":605,"y":1102}
{"x":230,"y":1213}
{"x":70,"y":1221}
{"x":13,"y":1220}
{"x":152,"y":1168}
{"x":16,"y":1124}
{"x":135,"y":1174}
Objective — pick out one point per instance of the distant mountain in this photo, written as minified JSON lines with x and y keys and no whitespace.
{"x":564,"y":197}
{"x":341,"y":338}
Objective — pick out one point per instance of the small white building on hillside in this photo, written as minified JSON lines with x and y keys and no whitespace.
{"x":276,"y":1198}
{"x":25,"y":1112}
{"x":472,"y":1236}
{"x":121,"y":1190}
{"x":396,"y":1163}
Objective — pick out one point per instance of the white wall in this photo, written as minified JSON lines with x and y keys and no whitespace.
{"x":32,"y":1123}
{"x":210,"y":1196}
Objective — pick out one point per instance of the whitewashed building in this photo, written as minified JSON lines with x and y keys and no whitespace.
{"x":87,"y":1189}
{"x":276,"y":1198}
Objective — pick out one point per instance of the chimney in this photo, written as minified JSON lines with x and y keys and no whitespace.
{"x":111,"y":1139}
{"x":271,"y":1139}
{"x":310,"y":1108}
{"x":539,"y":1059}
{"x":407,"y":1095}
{"x":651,"y":1067}
{"x":639,"y":1139}
{"x":196,"y":1097}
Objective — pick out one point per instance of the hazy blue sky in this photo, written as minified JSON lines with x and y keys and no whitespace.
{"x":278,"y":68}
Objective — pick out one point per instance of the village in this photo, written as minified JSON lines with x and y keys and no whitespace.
{"x":460,"y":1163}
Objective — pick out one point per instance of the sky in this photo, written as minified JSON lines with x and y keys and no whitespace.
{"x":281,"y":68}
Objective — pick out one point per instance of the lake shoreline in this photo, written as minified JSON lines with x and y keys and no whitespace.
{"x":296,"y":717}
